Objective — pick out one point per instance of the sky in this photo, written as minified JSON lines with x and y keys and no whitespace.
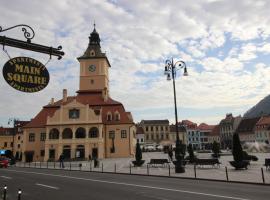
{"x":225,"y":45}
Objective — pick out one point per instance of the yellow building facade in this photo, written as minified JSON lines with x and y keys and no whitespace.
{"x":88,"y":125}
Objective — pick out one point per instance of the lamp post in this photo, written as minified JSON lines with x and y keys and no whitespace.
{"x":14,"y":120}
{"x":170,"y":72}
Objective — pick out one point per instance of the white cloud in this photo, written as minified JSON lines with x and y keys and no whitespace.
{"x":138,"y":36}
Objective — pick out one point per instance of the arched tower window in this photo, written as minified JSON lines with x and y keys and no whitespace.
{"x":54,"y":134}
{"x":80,"y":133}
{"x":67,"y":133}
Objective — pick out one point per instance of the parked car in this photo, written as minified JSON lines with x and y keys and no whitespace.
{"x":4,"y":162}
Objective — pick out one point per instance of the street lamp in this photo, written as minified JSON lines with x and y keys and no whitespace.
{"x":14,"y":120}
{"x":170,"y":72}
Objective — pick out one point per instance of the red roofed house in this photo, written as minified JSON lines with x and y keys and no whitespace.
{"x":205,"y":131}
{"x":90,"y":123}
{"x":262,"y":130}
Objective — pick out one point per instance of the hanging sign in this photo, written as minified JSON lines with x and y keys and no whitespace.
{"x":26,"y":74}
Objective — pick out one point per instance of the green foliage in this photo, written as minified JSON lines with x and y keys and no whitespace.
{"x":237,"y":150}
{"x":138,"y":154}
{"x":216,"y":148}
{"x":190,"y":152}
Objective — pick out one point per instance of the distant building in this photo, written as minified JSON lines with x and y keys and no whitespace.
{"x":6,"y":138}
{"x":262,"y":130}
{"x":246,"y":129}
{"x":228,"y":126}
{"x":214,"y":135}
{"x":182,"y":131}
{"x":155,"y":131}
{"x":140,"y":135}
{"x":205,"y":133}
{"x":192,"y":134}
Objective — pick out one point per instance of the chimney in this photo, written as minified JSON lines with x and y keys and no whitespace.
{"x":52,"y":101}
{"x":64,"y":95}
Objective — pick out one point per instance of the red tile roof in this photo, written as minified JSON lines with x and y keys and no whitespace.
{"x":265,"y":120}
{"x":6,"y":131}
{"x":93,"y":99}
{"x":215,"y":131}
{"x":204,"y":127}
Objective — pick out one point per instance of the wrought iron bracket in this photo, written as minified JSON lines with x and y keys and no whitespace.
{"x":28,"y":45}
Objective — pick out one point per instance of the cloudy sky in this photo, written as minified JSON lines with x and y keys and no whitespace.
{"x":225,"y":45}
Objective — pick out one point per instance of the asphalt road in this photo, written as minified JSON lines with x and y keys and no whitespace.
{"x":43,"y":184}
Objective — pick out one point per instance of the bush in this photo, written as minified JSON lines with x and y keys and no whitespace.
{"x":216,"y":149}
{"x":191,"y":153}
{"x":237,"y":150}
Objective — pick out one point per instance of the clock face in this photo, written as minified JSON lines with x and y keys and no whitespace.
{"x":92,"y":68}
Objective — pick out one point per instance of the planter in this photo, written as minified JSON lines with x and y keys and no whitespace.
{"x":138,"y":163}
{"x":179,"y":166}
{"x":240,"y":164}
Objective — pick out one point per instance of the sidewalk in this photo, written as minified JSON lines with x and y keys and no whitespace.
{"x":123,"y":165}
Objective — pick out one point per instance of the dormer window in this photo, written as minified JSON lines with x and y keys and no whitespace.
{"x":117,"y":116}
{"x":74,"y":113}
{"x":109,"y":117}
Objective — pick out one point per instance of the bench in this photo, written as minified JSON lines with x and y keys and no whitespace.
{"x":267,"y":163}
{"x":154,"y":162}
{"x":207,"y":161}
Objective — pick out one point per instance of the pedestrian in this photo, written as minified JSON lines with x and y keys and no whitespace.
{"x":90,"y":158}
{"x":170,"y":153}
{"x":61,"y":160}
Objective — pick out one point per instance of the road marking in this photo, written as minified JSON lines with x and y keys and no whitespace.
{"x":6,"y":177}
{"x":133,"y":185}
{"x":47,"y":186}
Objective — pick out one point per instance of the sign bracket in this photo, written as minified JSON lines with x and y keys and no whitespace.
{"x":28,"y":45}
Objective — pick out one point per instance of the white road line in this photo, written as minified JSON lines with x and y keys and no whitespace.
{"x":134,"y":185}
{"x":47,"y":186}
{"x":6,"y":177}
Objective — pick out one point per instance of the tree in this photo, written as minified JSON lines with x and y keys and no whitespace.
{"x":191,"y":153}
{"x":138,"y":155}
{"x":216,"y":149}
{"x":237,"y":150}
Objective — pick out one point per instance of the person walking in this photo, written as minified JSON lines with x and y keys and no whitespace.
{"x":170,"y":153}
{"x":61,"y":160}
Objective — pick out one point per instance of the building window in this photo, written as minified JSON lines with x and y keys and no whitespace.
{"x":42,"y":136}
{"x":141,"y":139}
{"x":74,"y":113}
{"x":109,"y":117}
{"x":111,"y":134}
{"x":161,"y":128}
{"x":147,"y":137}
{"x":19,"y":137}
{"x":152,"y":128}
{"x":167,"y":136}
{"x":146,"y":128}
{"x":80,"y":133}
{"x":152,"y":136}
{"x":19,"y":146}
{"x":156,"y":128}
{"x":42,"y":153}
{"x":117,"y":116}
{"x":54,"y":134}
{"x":138,"y":140}
{"x":11,"y":144}
{"x":31,"y":137}
{"x":93,"y":132}
{"x":5,"y":144}
{"x":166,"y":128}
{"x":67,"y":133}
{"x":157,"y":136}
{"x":162,"y":136}
{"x":123,"y":134}
{"x":92,"y":81}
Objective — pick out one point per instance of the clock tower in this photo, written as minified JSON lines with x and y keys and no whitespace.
{"x":94,"y":65}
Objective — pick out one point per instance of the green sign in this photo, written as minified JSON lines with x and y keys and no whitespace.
{"x":26,"y":74}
